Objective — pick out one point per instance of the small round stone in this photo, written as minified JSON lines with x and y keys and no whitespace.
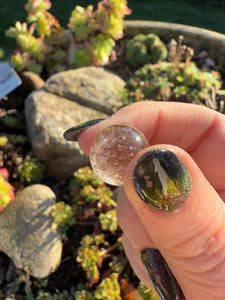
{"x":113,"y":149}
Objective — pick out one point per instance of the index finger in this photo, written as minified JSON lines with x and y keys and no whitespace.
{"x":196,"y":129}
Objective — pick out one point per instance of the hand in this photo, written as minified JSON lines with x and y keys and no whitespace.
{"x":191,"y":239}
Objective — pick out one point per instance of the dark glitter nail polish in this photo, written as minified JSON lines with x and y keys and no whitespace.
{"x":162,"y":180}
{"x":160,"y":275}
{"x":72,"y":133}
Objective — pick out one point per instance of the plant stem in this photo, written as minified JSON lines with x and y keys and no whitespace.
{"x":110,"y":249}
{"x":85,"y":223}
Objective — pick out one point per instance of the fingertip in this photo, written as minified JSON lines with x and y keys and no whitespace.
{"x":84,"y":140}
{"x":191,"y":239}
{"x":202,"y":206}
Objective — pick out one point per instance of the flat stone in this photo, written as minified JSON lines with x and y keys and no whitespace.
{"x":88,"y":86}
{"x":27,"y":232}
{"x":48,"y":116}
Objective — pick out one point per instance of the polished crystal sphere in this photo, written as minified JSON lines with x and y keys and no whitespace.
{"x":113,"y":149}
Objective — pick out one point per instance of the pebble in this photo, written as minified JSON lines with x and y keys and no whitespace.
{"x":210,"y":62}
{"x":203,"y":54}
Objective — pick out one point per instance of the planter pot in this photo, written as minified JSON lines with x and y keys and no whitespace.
{"x":195,"y":37}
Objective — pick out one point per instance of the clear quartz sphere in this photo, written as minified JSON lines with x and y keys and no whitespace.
{"x":113,"y":149}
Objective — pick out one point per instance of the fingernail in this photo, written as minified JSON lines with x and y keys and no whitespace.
{"x":72,"y":133}
{"x":162,"y":180}
{"x":160,"y":275}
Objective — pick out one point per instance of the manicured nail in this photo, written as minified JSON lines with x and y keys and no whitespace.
{"x":72,"y":133}
{"x":160,"y":275}
{"x":162,"y":180}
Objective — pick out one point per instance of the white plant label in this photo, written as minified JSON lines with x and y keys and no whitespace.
{"x":9,"y":80}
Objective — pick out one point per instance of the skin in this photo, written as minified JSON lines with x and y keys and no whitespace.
{"x":192,"y":240}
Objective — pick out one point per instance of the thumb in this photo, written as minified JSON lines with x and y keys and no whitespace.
{"x":183,"y":216}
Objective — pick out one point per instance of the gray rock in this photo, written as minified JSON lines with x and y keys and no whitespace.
{"x":68,"y":98}
{"x":89,"y":86}
{"x":28,"y":235}
{"x":48,"y":116}
{"x":203,"y":54}
{"x":210,"y":62}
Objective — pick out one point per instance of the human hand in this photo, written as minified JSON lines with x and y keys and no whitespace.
{"x":191,"y":239}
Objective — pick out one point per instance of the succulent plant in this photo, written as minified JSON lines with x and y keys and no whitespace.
{"x":164,"y":81}
{"x":13,"y":121}
{"x":178,"y":79}
{"x":29,"y":170}
{"x":145,"y":293}
{"x":6,"y":189}
{"x":89,"y":39}
{"x":3,"y":141}
{"x":108,"y":220}
{"x":143,"y":49}
{"x":109,"y":288}
{"x":83,"y":295}
{"x":86,"y":187}
{"x":63,"y":216}
{"x":90,"y":256}
{"x":12,"y":138}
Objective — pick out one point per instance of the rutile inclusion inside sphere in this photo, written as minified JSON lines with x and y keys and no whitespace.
{"x":113,"y":149}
